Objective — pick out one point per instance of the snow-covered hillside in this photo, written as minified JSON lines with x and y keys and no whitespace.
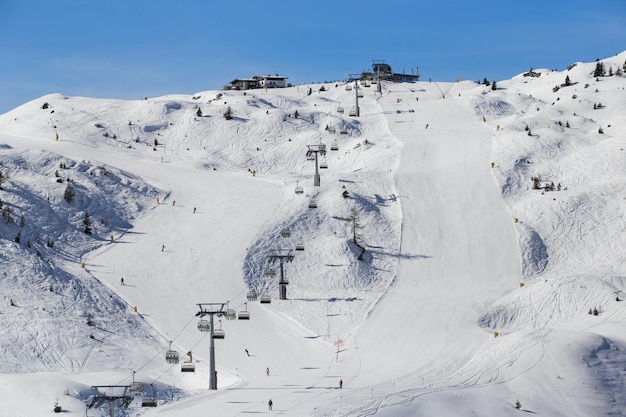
{"x":464,"y":250}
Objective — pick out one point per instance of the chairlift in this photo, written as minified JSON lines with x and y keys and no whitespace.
{"x":332,"y":128}
{"x":345,"y":131}
{"x":352,"y":112}
{"x":219,"y":333}
{"x":300,"y":246}
{"x":340,"y":109}
{"x":312,"y":204}
{"x":204,"y":325}
{"x":323,"y":164}
{"x":150,"y":401}
{"x":270,"y":273}
{"x":266,"y":299}
{"x":188,"y":366}
{"x":171,"y":356}
{"x":360,"y":92}
{"x":285,"y":232}
{"x":136,"y":387}
{"x":251,"y":296}
{"x":299,"y":190}
{"x":244,"y":314}
{"x":334,"y":146}
{"x":230,"y":314}
{"x":348,"y":87}
{"x":310,"y":157}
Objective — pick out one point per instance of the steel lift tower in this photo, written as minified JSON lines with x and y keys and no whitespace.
{"x":311,"y":154}
{"x":282,"y":255}
{"x":356,"y":78}
{"x":211,"y":309}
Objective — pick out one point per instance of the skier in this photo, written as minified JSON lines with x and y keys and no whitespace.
{"x":162,"y":248}
{"x":340,"y":383}
{"x":247,"y":353}
{"x":426,"y":126}
{"x":122,"y":281}
{"x":269,"y":404}
{"x":267,"y":371}
{"x":194,"y":209}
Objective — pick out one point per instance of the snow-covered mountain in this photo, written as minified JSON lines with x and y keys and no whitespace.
{"x":463,"y":252}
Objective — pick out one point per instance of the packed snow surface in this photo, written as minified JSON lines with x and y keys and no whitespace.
{"x":464,"y":253}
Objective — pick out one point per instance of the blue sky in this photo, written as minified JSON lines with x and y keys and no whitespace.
{"x":132,"y":49}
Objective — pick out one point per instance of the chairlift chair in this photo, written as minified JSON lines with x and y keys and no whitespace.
{"x":149,"y":401}
{"x":230,"y":314}
{"x":219,"y":333}
{"x":299,"y":190}
{"x":348,"y":87}
{"x":352,"y":112}
{"x":188,"y":366}
{"x":300,"y":246}
{"x":251,"y":296}
{"x":312,"y":204}
{"x":204,"y":325}
{"x":285,"y":232}
{"x":244,"y":314}
{"x":171,"y":356}
{"x":323,"y":164}
{"x":136,"y":387}
{"x":340,"y":109}
{"x":334,"y":146}
{"x":266,"y":299}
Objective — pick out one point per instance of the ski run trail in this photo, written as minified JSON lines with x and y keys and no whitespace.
{"x":489,"y":264}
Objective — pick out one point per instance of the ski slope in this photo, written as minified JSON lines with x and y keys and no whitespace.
{"x":473,"y":291}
